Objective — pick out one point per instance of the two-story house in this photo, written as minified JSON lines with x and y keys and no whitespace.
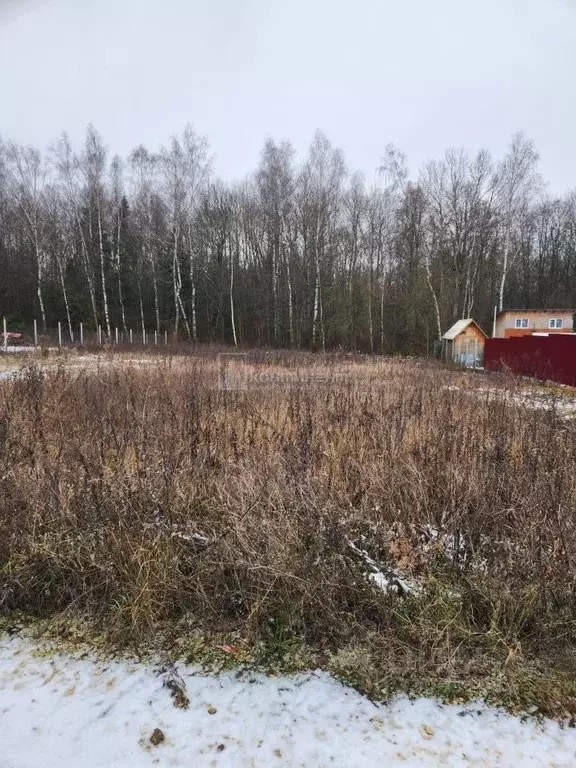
{"x":525,"y":322}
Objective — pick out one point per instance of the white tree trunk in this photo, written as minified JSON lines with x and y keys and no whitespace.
{"x":318,"y":318}
{"x":503,"y":278}
{"x":175,"y":284}
{"x":142,"y":319}
{"x":382,"y":334}
{"x":40,"y":276}
{"x":315,"y":310}
{"x":290,"y":304}
{"x":434,"y":297}
{"x":192,"y":289}
{"x":180,"y":302}
{"x":87,"y":269}
{"x":102,"y":272}
{"x":232,"y":318}
{"x":380,"y":266}
{"x":119,"y":272}
{"x":65,"y":296}
{"x":275,"y":323}
{"x":370,"y":310}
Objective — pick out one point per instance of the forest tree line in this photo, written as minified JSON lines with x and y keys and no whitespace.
{"x":301,"y":254}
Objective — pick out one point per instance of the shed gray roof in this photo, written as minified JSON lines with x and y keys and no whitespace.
{"x":458,"y":327}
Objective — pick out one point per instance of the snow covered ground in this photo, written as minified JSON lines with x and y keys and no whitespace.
{"x":539,"y":399}
{"x":67,"y":711}
{"x":19,"y":350}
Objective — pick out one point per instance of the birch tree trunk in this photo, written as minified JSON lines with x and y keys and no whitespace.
{"x":192,"y":288}
{"x":142,"y":318}
{"x":370,"y":298}
{"x":119,"y":272}
{"x":65,"y":296}
{"x":315,"y":309}
{"x":318,"y":317}
{"x":102,"y":271}
{"x":381,"y":270}
{"x":232,"y":318}
{"x":152,"y":261}
{"x":290,"y":305}
{"x":155,"y":291}
{"x":175,"y":284}
{"x":504,"y":274}
{"x":275,"y":323}
{"x":39,"y":276}
{"x":89,"y":278}
{"x":434,"y":297}
{"x":382,"y":332}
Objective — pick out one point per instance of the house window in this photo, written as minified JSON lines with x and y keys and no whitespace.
{"x":555,"y":322}
{"x":522,"y":322}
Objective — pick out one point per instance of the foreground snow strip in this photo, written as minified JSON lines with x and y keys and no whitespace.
{"x":69,"y":711}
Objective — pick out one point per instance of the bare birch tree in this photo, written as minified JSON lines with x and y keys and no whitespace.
{"x":143,"y":178}
{"x":67,"y":167}
{"x":118,"y":212}
{"x":94,"y":167}
{"x":517,"y":184}
{"x":28,"y":178}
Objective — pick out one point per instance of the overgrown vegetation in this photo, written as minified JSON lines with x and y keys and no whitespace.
{"x":388,"y":519}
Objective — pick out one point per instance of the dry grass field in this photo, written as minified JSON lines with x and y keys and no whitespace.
{"x":402,"y":524}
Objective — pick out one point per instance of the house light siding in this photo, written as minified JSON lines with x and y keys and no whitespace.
{"x":509,"y":324}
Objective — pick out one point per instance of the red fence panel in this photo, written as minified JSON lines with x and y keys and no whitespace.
{"x":545,"y":357}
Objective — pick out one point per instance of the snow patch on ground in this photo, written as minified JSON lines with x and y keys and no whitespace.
{"x":66,"y":711}
{"x":564,"y":405}
{"x":19,"y":350}
{"x":389,"y":580}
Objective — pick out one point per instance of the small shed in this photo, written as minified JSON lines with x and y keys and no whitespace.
{"x":463,"y":343}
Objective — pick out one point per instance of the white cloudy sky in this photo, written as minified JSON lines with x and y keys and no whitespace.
{"x":425,"y":74}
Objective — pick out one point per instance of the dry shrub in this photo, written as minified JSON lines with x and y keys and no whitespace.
{"x":142,"y":494}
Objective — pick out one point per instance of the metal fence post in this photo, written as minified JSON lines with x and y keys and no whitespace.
{"x":59,"y":334}
{"x":81,"y":334}
{"x":5,"y":335}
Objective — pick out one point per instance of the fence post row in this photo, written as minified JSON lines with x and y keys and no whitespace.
{"x":157,"y":337}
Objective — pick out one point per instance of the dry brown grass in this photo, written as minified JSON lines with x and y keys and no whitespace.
{"x":143,"y":496}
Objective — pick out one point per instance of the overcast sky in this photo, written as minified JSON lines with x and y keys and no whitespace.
{"x":424,"y":74}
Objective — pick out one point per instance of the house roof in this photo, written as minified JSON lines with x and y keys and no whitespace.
{"x":550,"y":311}
{"x":460,"y":326}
